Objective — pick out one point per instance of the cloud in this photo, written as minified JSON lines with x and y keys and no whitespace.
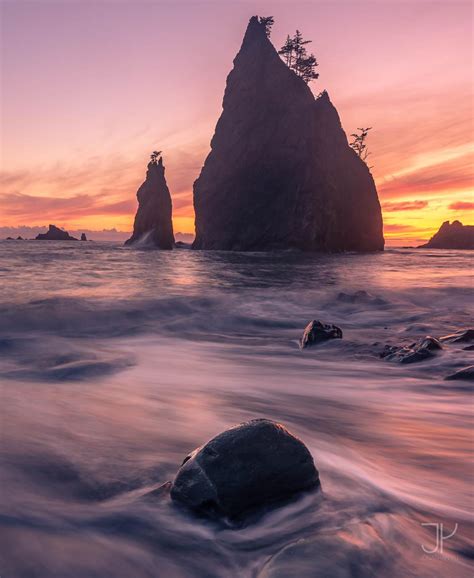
{"x":404,"y":206}
{"x":23,"y":207}
{"x":398,"y":228}
{"x":452,"y":174}
{"x":461,"y":206}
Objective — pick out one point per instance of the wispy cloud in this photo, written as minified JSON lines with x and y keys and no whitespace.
{"x":461,"y":206}
{"x":24,"y":206}
{"x":453,"y":174}
{"x":404,"y":206}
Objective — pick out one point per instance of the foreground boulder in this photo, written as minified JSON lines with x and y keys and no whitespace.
{"x":281,"y":174}
{"x":417,"y":351}
{"x":55,"y":234}
{"x":318,"y":332}
{"x":452,"y":236}
{"x":254,"y":464}
{"x":153,"y":225}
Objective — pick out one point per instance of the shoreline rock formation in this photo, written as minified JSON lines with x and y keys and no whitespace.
{"x":153,"y":225}
{"x":281,"y":174}
{"x":418,"y":351}
{"x":452,"y":236}
{"x":55,"y":234}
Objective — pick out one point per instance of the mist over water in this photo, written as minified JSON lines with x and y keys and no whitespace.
{"x":116,"y":362}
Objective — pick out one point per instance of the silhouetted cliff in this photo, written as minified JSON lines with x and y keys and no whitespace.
{"x":280,"y":173}
{"x":452,"y":236}
{"x":153,"y":224}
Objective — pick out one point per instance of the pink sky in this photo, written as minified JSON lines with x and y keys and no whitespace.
{"x":89,"y":89}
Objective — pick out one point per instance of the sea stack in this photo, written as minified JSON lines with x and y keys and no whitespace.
{"x":452,"y":236}
{"x":55,"y":234}
{"x":153,"y":225}
{"x":281,"y":174}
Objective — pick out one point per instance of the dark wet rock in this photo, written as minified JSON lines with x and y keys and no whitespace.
{"x":182,"y":245}
{"x":153,"y":225}
{"x":417,"y":351}
{"x":466,"y":374}
{"x":360,"y":297}
{"x":160,"y":492}
{"x":452,"y":236}
{"x":462,"y":336}
{"x":83,"y":237}
{"x":55,"y":234}
{"x":318,"y":332}
{"x":255,"y":464}
{"x":280,"y":174}
{"x":468,"y":348}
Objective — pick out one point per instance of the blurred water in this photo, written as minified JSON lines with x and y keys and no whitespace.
{"x":115,"y":363}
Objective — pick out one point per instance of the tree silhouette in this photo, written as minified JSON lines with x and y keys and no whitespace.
{"x":154,"y":157}
{"x":268,"y":22}
{"x":296,"y":57}
{"x":359,"y":143}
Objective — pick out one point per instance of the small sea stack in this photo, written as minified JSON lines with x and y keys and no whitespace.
{"x":55,"y":234}
{"x":452,"y":236}
{"x":255,"y":464}
{"x":153,"y":225}
{"x":83,"y":237}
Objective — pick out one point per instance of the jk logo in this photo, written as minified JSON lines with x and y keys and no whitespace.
{"x":440,"y":537}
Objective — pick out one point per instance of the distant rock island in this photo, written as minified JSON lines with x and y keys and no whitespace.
{"x":452,"y":236}
{"x":55,"y":234}
{"x":281,"y":174}
{"x":153,"y":225}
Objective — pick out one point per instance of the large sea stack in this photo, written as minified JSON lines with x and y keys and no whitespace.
{"x":153,"y":225}
{"x":452,"y":236}
{"x":280,"y":173}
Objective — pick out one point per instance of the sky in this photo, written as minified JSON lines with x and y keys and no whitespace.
{"x":89,"y":89}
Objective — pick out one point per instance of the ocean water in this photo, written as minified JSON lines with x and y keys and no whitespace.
{"x":116,"y":362}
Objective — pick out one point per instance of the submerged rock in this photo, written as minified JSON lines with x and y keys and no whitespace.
{"x":360,"y":297}
{"x":83,"y":237}
{"x":317,"y":332}
{"x":55,"y":234}
{"x":452,"y":236}
{"x":462,"y":336}
{"x":417,"y":351}
{"x":280,"y":174}
{"x":254,"y":464}
{"x":466,"y":374}
{"x":153,"y":225}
